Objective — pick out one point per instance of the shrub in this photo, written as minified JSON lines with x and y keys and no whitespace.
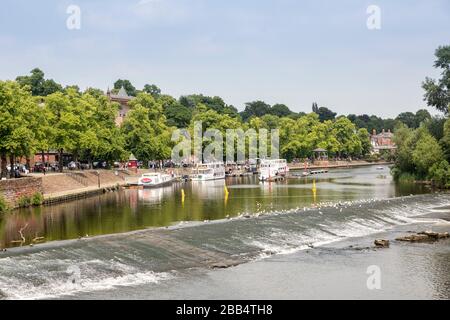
{"x":439,"y":173}
{"x":24,"y":201}
{"x":407,"y":177}
{"x":37,"y":199}
{"x":373,"y":158}
{"x":3,"y":204}
{"x":401,"y":176}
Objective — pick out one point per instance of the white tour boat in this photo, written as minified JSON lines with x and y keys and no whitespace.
{"x":209,"y":171}
{"x":153,"y":180}
{"x":271,"y":170}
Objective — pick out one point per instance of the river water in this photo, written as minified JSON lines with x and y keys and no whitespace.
{"x":104,"y":246}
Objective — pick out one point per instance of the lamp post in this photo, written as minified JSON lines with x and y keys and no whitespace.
{"x":98,"y":178}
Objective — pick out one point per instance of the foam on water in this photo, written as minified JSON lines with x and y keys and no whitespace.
{"x":329,"y":230}
{"x":28,"y":279}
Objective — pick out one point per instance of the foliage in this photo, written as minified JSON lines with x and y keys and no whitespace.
{"x":439,"y":173}
{"x":37,"y":199}
{"x":417,"y":152}
{"x":437,"y":92}
{"x":445,"y":140}
{"x":426,"y":153}
{"x":38,"y":85}
{"x":24,"y":201}
{"x":145,"y":131}
{"x":152,"y":90}
{"x":4,"y":207}
{"x":372,"y":122}
{"x":414,"y":120}
{"x":255,"y":109}
{"x":19,"y":120}
{"x":324,"y":113}
{"x":177,"y":114}
{"x":364,"y":137}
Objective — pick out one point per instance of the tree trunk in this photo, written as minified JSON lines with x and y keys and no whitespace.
{"x":43,"y":158}
{"x":3,"y":170}
{"x":90,"y":161}
{"x":11,"y":164}
{"x":28,"y":160}
{"x":60,"y":160}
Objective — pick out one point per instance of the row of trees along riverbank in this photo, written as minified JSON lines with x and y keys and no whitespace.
{"x":38,"y":114}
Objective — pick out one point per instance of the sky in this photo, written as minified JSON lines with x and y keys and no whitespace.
{"x":279,"y":51}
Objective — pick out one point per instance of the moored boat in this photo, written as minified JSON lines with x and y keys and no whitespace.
{"x":273,"y":169}
{"x":209,"y":171}
{"x":153,"y":180}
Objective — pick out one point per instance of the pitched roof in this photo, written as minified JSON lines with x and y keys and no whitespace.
{"x":122,"y":93}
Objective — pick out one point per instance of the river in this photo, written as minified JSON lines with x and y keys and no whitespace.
{"x":132,"y":243}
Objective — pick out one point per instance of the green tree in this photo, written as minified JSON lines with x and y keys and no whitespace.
{"x":101,"y":139}
{"x":324,"y":113}
{"x":364,"y":137}
{"x":152,"y":90}
{"x":280,"y":110}
{"x":422,"y":116}
{"x":439,"y":173}
{"x":426,"y":153}
{"x":18,"y":122}
{"x":177,"y":114}
{"x":437,"y":92}
{"x":345,"y":132}
{"x":445,"y":140}
{"x":255,"y":109}
{"x":408,"y":118}
{"x":146,"y":133}
{"x":38,"y":84}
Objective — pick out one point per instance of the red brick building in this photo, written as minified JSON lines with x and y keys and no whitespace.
{"x":382,"y":141}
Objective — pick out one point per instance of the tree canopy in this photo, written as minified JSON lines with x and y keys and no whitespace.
{"x":437,"y":92}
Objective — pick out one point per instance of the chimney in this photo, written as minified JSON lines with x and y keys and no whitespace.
{"x":383,"y":131}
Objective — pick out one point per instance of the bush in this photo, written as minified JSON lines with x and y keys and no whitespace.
{"x":405,"y":177}
{"x":37,"y":199}
{"x":439,"y":174}
{"x":3,"y":204}
{"x":24,"y":201}
{"x":373,"y":158}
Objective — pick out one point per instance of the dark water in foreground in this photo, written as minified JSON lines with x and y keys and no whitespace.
{"x":131,"y":210}
{"x":161,"y":263}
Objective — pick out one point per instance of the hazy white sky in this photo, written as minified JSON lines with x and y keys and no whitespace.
{"x":280,"y":51}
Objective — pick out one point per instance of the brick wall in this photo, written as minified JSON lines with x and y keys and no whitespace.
{"x":13,"y":189}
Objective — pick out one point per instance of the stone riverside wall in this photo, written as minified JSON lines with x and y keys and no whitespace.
{"x":13,"y":189}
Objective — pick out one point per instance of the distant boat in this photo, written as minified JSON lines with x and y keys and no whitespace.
{"x":209,"y":171}
{"x":380,"y":168}
{"x":273,"y":169}
{"x":319,"y":171}
{"x":154,"y":180}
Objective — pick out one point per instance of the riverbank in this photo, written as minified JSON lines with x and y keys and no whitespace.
{"x":338,"y":165}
